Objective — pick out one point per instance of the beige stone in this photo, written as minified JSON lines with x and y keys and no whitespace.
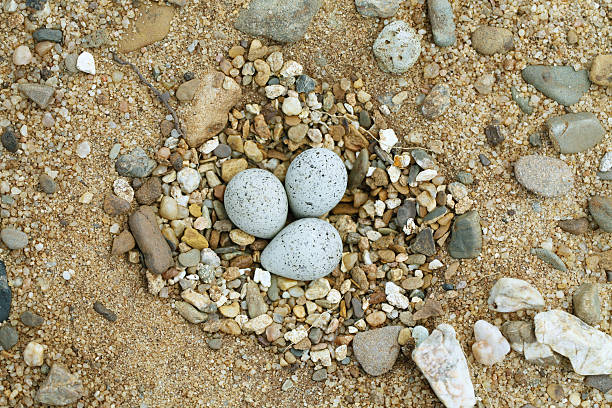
{"x":149,"y":27}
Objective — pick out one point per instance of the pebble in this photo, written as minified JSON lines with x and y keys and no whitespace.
{"x":189,"y":179}
{"x":47,"y":184}
{"x":377,"y":8}
{"x":377,"y":350}
{"x":441,"y":17}
{"x":214,"y":344}
{"x":83,"y":149}
{"x":189,"y":258}
{"x":13,"y":238}
{"x":494,"y":134}
{"x":95,"y":39}
{"x":8,"y":337}
{"x":105,"y":312}
{"x":157,"y":254}
{"x":9,"y":140}
{"x":48,"y":34}
{"x":587,"y":306}
{"x":114,"y":205}
{"x":190,"y":313}
{"x":465,"y":177}
{"x":601,"y":70}
{"x":30,"y":319}
{"x":545,"y":176}
{"x":285,"y":22}
{"x":588,"y":349}
{"x":510,"y":294}
{"x":490,"y":346}
{"x":187,"y":90}
{"x":359,"y":170}
{"x":208,"y":111}
{"x":550,"y":258}
{"x":561,"y":83}
{"x":194,"y":239}
{"x":261,"y":215}
{"x":436,"y":102}
{"x":484,"y":84}
{"x":523,"y":103}
{"x":123,"y":243}
{"x":492,"y":40}
{"x":6,"y":294}
{"x":60,"y":387}
{"x":424,"y":243}
{"x":304,"y":250}
{"x":466,"y":236}
{"x":442,"y":362}
{"x":292,"y":106}
{"x":151,"y":26}
{"x":601,"y":382}
{"x":22,"y":55}
{"x":86,"y":63}
{"x":319,"y":375}
{"x":397,"y":47}
{"x":305,"y":84}
{"x":136,"y":163}
{"x":600,"y":208}
{"x":315,"y":182}
{"x":576,"y":226}
{"x":222,"y":151}
{"x":33,"y":354}
{"x":37,"y":93}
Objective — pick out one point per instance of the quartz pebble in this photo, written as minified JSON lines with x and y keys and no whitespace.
{"x":33,"y":354}
{"x":22,"y":55}
{"x":510,"y":295}
{"x":490,"y":346}
{"x":14,"y":239}
{"x":86,"y":63}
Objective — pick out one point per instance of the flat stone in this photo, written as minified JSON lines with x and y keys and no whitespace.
{"x":30,"y":319}
{"x":9,"y":140}
{"x":576,"y":226}
{"x":48,"y":34}
{"x":6,"y":294}
{"x":575,"y":132}
{"x":157,"y":254}
{"x":8,"y":337}
{"x":510,"y":295}
{"x":96,"y":39}
{"x":602,"y":382}
{"x":40,"y":94}
{"x":466,"y":236}
{"x":47,"y":184}
{"x":424,"y":243}
{"x":442,"y":362}
{"x":377,"y":8}
{"x":152,"y":25}
{"x":601,"y":70}
{"x":492,"y":40}
{"x":104,"y":311}
{"x":560,"y":83}
{"x":14,"y":239}
{"x":123,"y":243}
{"x":550,"y":258}
{"x":442,"y":22}
{"x":189,"y":258}
{"x":256,"y":305}
{"x":397,"y":47}
{"x":60,"y":387}
{"x":587,"y":306}
{"x":359,"y":170}
{"x":190,"y":313}
{"x":436,"y":102}
{"x":431,"y":308}
{"x":278,"y":20}
{"x":587,"y":348}
{"x":376,"y":350}
{"x":114,"y":205}
{"x":136,"y":163}
{"x":149,"y":192}
{"x":543,"y":175}
{"x":600,"y":208}
{"x":207,"y":114}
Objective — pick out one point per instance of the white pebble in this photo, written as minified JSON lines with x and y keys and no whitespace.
{"x":33,"y":355}
{"x":22,"y":55}
{"x":85,"y":63}
{"x":122,"y":189}
{"x":394,"y":173}
{"x":263,"y":277}
{"x":83,"y":149}
{"x":292,"y":106}
{"x":67,"y":274}
{"x":606,"y":162}
{"x":388,"y":139}
{"x":426,"y":175}
{"x":490,"y":347}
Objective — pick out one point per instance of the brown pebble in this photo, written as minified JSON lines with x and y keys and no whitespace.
{"x":576,"y":226}
{"x":219,"y":192}
{"x":165,"y":127}
{"x":149,"y":192}
{"x":377,"y":297}
{"x":431,"y":308}
{"x":242,"y":261}
{"x":176,"y":160}
{"x":170,"y":273}
{"x":156,"y":251}
{"x":114,"y":205}
{"x":376,"y":319}
{"x":123,"y":243}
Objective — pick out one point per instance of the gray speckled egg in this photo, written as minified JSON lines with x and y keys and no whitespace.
{"x":305,"y":250}
{"x":256,"y":202}
{"x":315,"y":182}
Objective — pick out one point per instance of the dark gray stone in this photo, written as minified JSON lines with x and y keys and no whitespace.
{"x":315,"y":335}
{"x":405,"y":212}
{"x":31,"y":319}
{"x":465,"y":177}
{"x":600,"y":208}
{"x":442,"y":22}
{"x":319,"y":375}
{"x":550,"y":258}
{"x":376,"y":350}
{"x":359,"y":170}
{"x":8,"y":337}
{"x":279,"y":20}
{"x":105,"y":312}
{"x":466,"y":236}
{"x":135,"y":164}
{"x":9,"y":140}
{"x":5,"y":294}
{"x":494,"y":134}
{"x":424,"y":243}
{"x":560,"y":83}
{"x":36,"y":4}
{"x":535,"y":139}
{"x":587,"y":306}
{"x":365,"y":121}
{"x":305,"y":84}
{"x":40,"y":94}
{"x":222,"y":151}
{"x":602,"y":382}
{"x":575,"y":132}
{"x":48,"y":34}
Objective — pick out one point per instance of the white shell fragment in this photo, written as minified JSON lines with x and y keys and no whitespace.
{"x":441,"y":360}
{"x":588,"y":349}
{"x":510,"y":295}
{"x":85,"y":63}
{"x":388,"y":139}
{"x":490,"y":347}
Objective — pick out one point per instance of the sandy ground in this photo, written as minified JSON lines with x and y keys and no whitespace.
{"x":150,"y":356}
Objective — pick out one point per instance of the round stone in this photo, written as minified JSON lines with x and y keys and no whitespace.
{"x":189,"y":179}
{"x":13,"y":238}
{"x":256,"y":202}
{"x":292,"y":106}
{"x":22,"y":55}
{"x":543,"y":175}
{"x":315,"y":182}
{"x":397,"y":47}
{"x":47,"y":184}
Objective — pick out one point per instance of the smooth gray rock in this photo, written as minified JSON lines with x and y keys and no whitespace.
{"x":492,"y":40}
{"x":560,"y":83}
{"x":48,"y":34}
{"x":376,"y":350}
{"x":377,"y":8}
{"x":548,"y":256}
{"x":442,"y":22}
{"x":360,"y":169}
{"x":587,"y":306}
{"x":40,"y":94}
{"x":315,"y":182}
{"x":8,"y":337}
{"x":60,"y":387}
{"x":602,"y":382}
{"x":545,"y":176}
{"x":466,"y":236}
{"x":31,"y":319}
{"x":256,"y":202}
{"x":190,"y":313}
{"x":189,"y":258}
{"x":5,"y":294}
{"x":305,"y":250}
{"x":279,"y":20}
{"x":9,"y":140}
{"x":575,"y":132}
{"x":397,"y":47}
{"x":135,"y":164}
{"x":13,"y":238}
{"x":600,"y":208}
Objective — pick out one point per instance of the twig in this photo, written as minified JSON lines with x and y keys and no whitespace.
{"x":162,"y":97}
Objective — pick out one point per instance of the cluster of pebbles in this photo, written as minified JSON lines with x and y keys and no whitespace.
{"x":365,"y":215}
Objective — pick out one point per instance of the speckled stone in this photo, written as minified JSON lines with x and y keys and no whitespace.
{"x":397,"y":47}
{"x":135,"y":164}
{"x":256,"y":202}
{"x":376,"y":350}
{"x":492,"y":40}
{"x":575,"y":132}
{"x":304,"y":250}
{"x":560,"y":83}
{"x":545,"y":176}
{"x":442,"y":22}
{"x":315,"y":182}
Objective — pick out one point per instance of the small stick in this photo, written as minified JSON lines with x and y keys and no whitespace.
{"x":159,"y":95}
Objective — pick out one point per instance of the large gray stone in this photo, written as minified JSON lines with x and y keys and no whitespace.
{"x":14,"y":239}
{"x":305,"y":250}
{"x":560,"y":83}
{"x":376,"y":350}
{"x":544,"y":176}
{"x":466,"y":237}
{"x":279,"y":20}
{"x":397,"y":47}
{"x":600,"y":208}
{"x":315,"y":182}
{"x":60,"y":387}
{"x":256,"y":202}
{"x":575,"y":132}
{"x":135,"y":164}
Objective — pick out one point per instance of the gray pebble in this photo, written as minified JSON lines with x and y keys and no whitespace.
{"x":545,"y":176}
{"x":304,"y":84}
{"x":70,"y":63}
{"x":405,"y":212}
{"x":319,"y":375}
{"x":222,"y":151}
{"x":8,"y":337}
{"x":135,"y":164}
{"x":96,"y":39}
{"x":214,"y":344}
{"x":484,"y":160}
{"x":359,"y":170}
{"x":365,"y":121}
{"x":13,"y":238}
{"x":31,"y":319}
{"x":600,"y":208}
{"x":601,"y":382}
{"x":436,"y":102}
{"x":189,"y":258}
{"x":377,"y":8}
{"x":424,"y":243}
{"x":560,"y":83}
{"x":40,"y":94}
{"x":315,"y":335}
{"x":105,"y":312}
{"x":535,"y":139}
{"x":442,"y":22}
{"x":423,"y":159}
{"x":575,"y":132}
{"x":587,"y":306}
{"x":9,"y":140}
{"x":48,"y":34}
{"x":376,"y":350}
{"x":523,"y":103}
{"x":5,"y":294}
{"x":47,"y":184}
{"x":550,"y":258}
{"x":465,"y":177}
{"x":397,"y":47}
{"x":466,"y":236}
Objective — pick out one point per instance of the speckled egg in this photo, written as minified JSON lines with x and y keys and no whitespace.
{"x":315,"y":182}
{"x":255,"y":201}
{"x":305,"y":250}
